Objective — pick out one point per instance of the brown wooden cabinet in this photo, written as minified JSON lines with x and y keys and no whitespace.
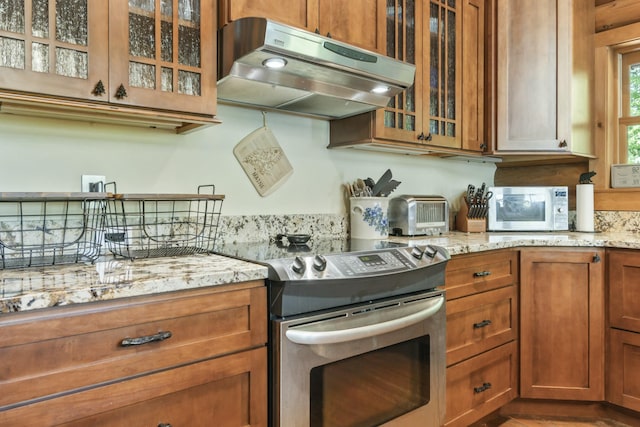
{"x":482,"y":333}
{"x":544,"y":77}
{"x":351,"y":21}
{"x":443,"y":111}
{"x":623,"y":356}
{"x":129,"y":62}
{"x":202,"y":361}
{"x":562,"y":323}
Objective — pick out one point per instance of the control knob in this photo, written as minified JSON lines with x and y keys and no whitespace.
{"x":319,"y":263}
{"x":417,"y":252}
{"x":299,"y":266}
{"x":430,"y":251}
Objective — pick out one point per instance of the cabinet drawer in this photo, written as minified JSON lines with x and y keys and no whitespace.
{"x":470,"y":274}
{"x":624,"y":289}
{"x":226,"y":391}
{"x":65,"y":348}
{"x":480,"y":385}
{"x":623,"y":381}
{"x":480,"y":322}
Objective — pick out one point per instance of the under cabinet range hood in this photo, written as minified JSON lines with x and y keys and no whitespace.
{"x":268,"y":65}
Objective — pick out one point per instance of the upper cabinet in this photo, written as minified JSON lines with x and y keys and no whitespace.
{"x":141,"y":59}
{"x":350,"y":21}
{"x":544,"y":77}
{"x":445,"y":41}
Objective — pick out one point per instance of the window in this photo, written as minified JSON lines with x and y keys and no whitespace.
{"x":629,"y":115}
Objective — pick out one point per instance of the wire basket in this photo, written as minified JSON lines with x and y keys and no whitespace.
{"x":158,"y":225}
{"x":39,"y":229}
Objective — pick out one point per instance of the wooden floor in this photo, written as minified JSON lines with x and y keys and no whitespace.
{"x":542,"y":422}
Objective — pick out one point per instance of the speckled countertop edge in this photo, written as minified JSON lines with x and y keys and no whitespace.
{"x":34,"y":288}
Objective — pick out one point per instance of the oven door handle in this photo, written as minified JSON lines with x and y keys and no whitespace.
{"x":302,"y":335}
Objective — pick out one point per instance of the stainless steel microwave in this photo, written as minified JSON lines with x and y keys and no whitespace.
{"x":528,"y":209}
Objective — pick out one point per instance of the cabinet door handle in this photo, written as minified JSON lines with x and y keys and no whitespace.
{"x":482,"y":324}
{"x":596,"y":258}
{"x":483,"y":387}
{"x":481,"y":273}
{"x":160,"y":336}
{"x":121,"y":93}
{"x":99,"y":89}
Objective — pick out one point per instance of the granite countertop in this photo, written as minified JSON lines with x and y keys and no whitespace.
{"x":33,"y":288}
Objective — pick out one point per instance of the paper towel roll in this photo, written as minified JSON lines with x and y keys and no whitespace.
{"x":584,"y":207}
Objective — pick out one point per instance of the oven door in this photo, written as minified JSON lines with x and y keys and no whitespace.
{"x":379,"y":364}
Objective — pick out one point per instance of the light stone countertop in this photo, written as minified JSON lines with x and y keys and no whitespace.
{"x":40,"y":287}
{"x":33,"y":288}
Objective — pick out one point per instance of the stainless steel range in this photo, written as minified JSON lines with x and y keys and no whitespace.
{"x":357,"y":334}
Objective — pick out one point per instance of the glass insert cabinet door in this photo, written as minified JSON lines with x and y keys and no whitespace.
{"x":163,"y":53}
{"x":54,"y":47}
{"x":147,"y":53}
{"x":425,"y":33}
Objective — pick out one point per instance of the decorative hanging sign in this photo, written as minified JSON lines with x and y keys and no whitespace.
{"x":263,"y":160}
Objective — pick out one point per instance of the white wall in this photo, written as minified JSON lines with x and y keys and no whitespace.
{"x":51,"y":155}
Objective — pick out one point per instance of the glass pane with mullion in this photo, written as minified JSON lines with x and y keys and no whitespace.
{"x":634,"y":89}
{"x":189,"y":36}
{"x":189,"y":83}
{"x":142,"y":30}
{"x":434,"y":60}
{"x":40,"y":57}
{"x":12,"y":53}
{"x":443,"y":65}
{"x":451,"y":65}
{"x":142,"y":75}
{"x":12,"y":16}
{"x":166,"y":30}
{"x":633,"y":143}
{"x":630,"y":87}
{"x":72,"y":21}
{"x":72,"y":63}
{"x":391,"y":28}
{"x":40,"y":18}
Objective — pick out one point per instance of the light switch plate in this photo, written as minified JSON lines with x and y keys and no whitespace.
{"x":87,"y":180}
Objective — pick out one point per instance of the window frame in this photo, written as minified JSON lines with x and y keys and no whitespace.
{"x":608,"y":47}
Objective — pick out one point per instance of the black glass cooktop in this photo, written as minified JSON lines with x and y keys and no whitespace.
{"x":265,"y":251}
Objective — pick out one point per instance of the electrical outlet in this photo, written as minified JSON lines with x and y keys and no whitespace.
{"x":91,"y":183}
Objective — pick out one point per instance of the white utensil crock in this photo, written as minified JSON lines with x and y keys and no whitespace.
{"x":369,"y":219}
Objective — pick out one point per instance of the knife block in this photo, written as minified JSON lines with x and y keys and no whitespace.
{"x":470,"y":225}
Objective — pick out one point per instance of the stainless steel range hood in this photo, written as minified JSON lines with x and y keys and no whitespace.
{"x":319,"y":76}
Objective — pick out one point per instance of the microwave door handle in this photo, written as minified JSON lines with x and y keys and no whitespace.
{"x":300,"y":335}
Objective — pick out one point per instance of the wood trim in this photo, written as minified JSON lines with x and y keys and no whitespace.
{"x":617,"y":199}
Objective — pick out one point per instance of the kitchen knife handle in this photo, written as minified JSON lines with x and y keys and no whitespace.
{"x":160,"y":336}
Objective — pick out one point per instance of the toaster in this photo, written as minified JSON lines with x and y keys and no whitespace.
{"x":418,"y":215}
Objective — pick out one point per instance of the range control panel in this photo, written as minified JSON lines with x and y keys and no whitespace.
{"x":357,"y":264}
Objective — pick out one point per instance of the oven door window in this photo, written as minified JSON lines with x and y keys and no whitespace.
{"x":372,"y":388}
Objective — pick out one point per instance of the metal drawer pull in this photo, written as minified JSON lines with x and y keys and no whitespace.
{"x":160,"y":336}
{"x":482,"y":324}
{"x":481,"y":273}
{"x":483,"y":387}
{"x":164,"y":425}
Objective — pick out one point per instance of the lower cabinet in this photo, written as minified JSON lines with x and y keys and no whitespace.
{"x":224,"y":392}
{"x":623,"y":356}
{"x":623,"y":369}
{"x":562,"y":323}
{"x":482,"y":332}
{"x":480,"y":385}
{"x":189,"y":358}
